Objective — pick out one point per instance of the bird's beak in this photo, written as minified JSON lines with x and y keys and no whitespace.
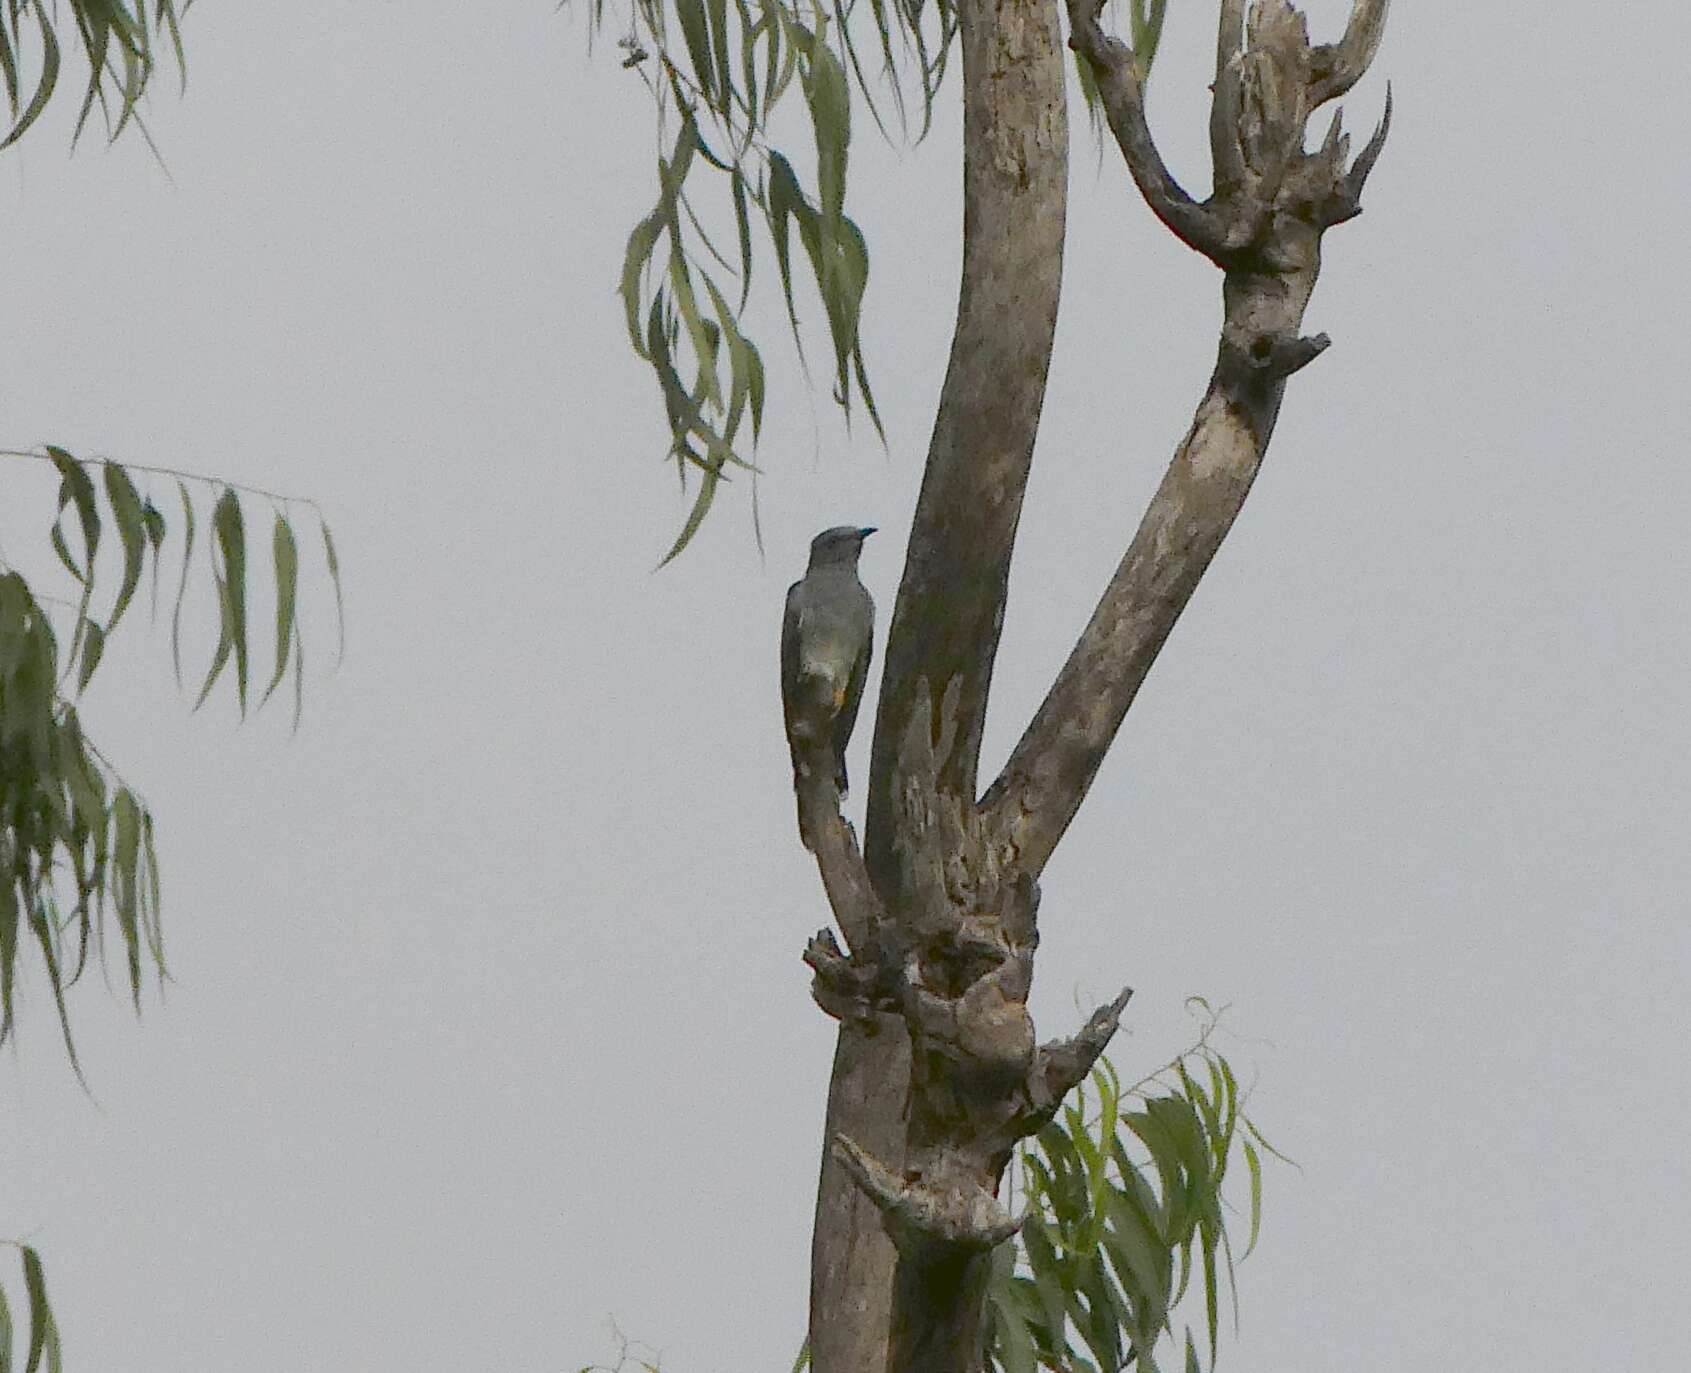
{"x":865,"y":532}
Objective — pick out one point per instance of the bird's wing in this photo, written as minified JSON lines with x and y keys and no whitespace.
{"x":790,"y":654}
{"x":846,"y":720}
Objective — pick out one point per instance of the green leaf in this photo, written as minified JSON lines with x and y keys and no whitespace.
{"x":153,"y":522}
{"x":1253,"y":1165}
{"x":299,"y":675}
{"x":335,"y":577}
{"x":40,"y":1312}
{"x":286,"y":557}
{"x":42,"y":928}
{"x":783,"y":57}
{"x":717,"y":12}
{"x":93,"y":645}
{"x":126,"y":849}
{"x":225,"y":641}
{"x":132,"y":531}
{"x":1211,"y":1294}
{"x":1013,"y":1346}
{"x":227,"y":524}
{"x":693,"y":29}
{"x":634,"y":260}
{"x":743,"y":230}
{"x":830,"y":114}
{"x":1147,"y":30}
{"x":846,"y":279}
{"x":5,"y":1310}
{"x":155,"y":924}
{"x":9,"y":71}
{"x":739,"y":359}
{"x":695,"y":517}
{"x":698,"y":331}
{"x":784,"y":201}
{"x":749,"y":31}
{"x":75,"y":487}
{"x":1257,"y":1135}
{"x":1141,"y":1261}
{"x":1047,"y":1270}
{"x":49,"y":78}
{"x":9,"y":921}
{"x":182,"y":586}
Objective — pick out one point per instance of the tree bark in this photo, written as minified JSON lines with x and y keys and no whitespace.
{"x":950,"y":607}
{"x":937,"y":1076}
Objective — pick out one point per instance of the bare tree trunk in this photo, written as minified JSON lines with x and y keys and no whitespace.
{"x":937,"y":1075}
{"x":1015,"y":176}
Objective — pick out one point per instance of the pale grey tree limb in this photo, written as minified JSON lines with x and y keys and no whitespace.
{"x":1337,"y":67}
{"x":1272,"y":205}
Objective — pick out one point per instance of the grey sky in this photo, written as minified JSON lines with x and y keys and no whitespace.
{"x":489,"y":1020}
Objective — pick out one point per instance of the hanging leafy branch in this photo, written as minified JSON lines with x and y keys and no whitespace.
{"x":119,"y":41}
{"x":716,"y":76}
{"x":718,"y":86}
{"x":40,"y":1331}
{"x":1124,"y":1203}
{"x":75,"y":838}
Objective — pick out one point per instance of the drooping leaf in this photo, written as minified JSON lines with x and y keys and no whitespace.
{"x":225,"y":641}
{"x":132,"y":532}
{"x":230,"y":530}
{"x":691,"y":13}
{"x":152,"y":520}
{"x":154,"y":923}
{"x":695,"y":517}
{"x":76,"y":488}
{"x":9,"y":919}
{"x":42,"y":927}
{"x":40,"y":1312}
{"x":182,"y":586}
{"x":285,"y":556}
{"x":1253,"y":1165}
{"x":93,"y":645}
{"x":48,"y":80}
{"x":5,"y":1309}
{"x":126,"y":889}
{"x":334,"y":564}
{"x":829,"y":99}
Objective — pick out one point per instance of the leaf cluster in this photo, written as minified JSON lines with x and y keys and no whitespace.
{"x":119,"y":40}
{"x":75,"y":839}
{"x":1124,"y":1206}
{"x":41,"y":1332}
{"x":717,"y":72}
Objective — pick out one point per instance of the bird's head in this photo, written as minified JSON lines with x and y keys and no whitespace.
{"x":838,"y":546}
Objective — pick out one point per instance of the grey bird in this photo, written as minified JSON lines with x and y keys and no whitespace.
{"x":827,"y":640}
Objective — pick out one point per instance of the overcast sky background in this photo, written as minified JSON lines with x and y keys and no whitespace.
{"x":489,"y":1021}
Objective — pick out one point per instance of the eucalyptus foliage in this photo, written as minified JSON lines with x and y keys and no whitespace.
{"x":1124,"y":1206}
{"x":40,"y":1331}
{"x":76,"y":840}
{"x":118,"y":41}
{"x":718,"y":73}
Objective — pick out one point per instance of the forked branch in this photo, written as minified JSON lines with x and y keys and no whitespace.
{"x":1263,"y":225}
{"x":1121,"y":90}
